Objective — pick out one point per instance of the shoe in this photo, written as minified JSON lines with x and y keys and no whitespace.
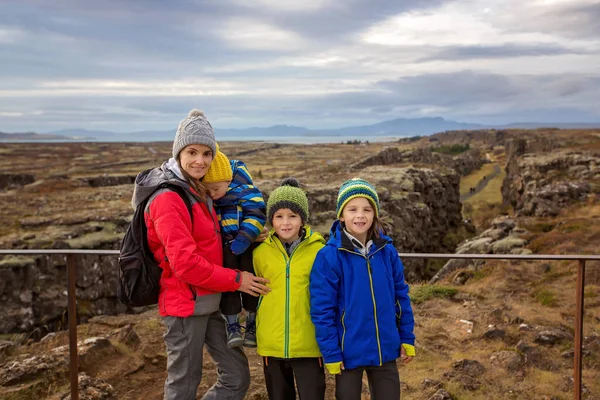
{"x":234,"y":335}
{"x":250,"y":334}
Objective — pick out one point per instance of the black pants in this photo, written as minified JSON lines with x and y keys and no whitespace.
{"x":384,"y":382}
{"x":231,"y":302}
{"x":279,"y":377}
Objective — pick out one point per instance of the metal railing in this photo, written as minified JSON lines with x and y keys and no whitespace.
{"x":578,"y":339}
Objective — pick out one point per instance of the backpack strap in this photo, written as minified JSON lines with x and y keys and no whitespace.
{"x":184,"y":196}
{"x":168,"y":187}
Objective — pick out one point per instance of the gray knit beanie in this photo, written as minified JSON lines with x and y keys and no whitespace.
{"x":194,"y":129}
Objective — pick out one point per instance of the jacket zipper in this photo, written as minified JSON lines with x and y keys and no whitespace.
{"x":372,"y":298}
{"x":374,"y":311}
{"x":343,"y":330}
{"x":286,"y":349}
{"x":288,"y":260}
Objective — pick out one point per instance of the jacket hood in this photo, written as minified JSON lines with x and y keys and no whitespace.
{"x":149,"y":180}
{"x":338,"y":239}
{"x":241,"y":176}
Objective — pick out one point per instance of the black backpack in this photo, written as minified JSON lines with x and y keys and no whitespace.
{"x":139,"y":274}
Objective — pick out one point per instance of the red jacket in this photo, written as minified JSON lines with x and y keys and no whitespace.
{"x":192,"y":260}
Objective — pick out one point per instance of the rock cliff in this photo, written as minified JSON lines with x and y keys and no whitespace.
{"x":541,"y":184}
{"x":11,"y":181}
{"x":463,"y":164}
{"x":421,"y":206}
{"x":34,"y":291}
{"x":504,"y":237}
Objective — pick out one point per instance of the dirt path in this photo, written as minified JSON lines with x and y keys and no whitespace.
{"x":481,"y":184}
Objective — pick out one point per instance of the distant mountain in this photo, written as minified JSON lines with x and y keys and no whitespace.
{"x":399,"y":127}
{"x":83,"y":133}
{"x":559,"y":125}
{"x":155,"y":136}
{"x":32,"y":136}
{"x":404,"y":127}
{"x":108,"y":136}
{"x":271,"y":131}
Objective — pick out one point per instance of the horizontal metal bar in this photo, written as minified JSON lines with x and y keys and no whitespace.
{"x":60,"y":251}
{"x":403,"y":255}
{"x":503,"y":256}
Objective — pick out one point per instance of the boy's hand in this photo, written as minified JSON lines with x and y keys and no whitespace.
{"x":263,"y":235}
{"x":238,"y":246}
{"x":335,"y":368}
{"x":404,"y":354}
{"x":253,"y":285}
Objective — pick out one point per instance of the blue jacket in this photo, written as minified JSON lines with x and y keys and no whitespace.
{"x":242,"y":210}
{"x":360,"y":305}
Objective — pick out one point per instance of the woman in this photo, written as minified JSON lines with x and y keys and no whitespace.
{"x":190,"y":253}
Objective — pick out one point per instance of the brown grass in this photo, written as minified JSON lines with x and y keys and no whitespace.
{"x":484,"y":206}
{"x":471,"y":180}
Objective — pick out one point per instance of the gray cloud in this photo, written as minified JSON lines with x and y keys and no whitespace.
{"x":468,"y":95}
{"x":574,"y":20}
{"x":115,"y":65}
{"x":478,"y":93}
{"x":501,"y":51}
{"x":343,"y":18}
{"x":446,"y":89}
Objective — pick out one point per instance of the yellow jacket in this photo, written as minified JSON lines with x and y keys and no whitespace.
{"x":283,"y":325}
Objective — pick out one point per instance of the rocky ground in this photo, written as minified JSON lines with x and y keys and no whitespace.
{"x":484,"y":330}
{"x":78,"y":196}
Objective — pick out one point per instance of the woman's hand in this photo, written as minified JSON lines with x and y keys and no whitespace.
{"x":263,"y":235}
{"x":253,"y":285}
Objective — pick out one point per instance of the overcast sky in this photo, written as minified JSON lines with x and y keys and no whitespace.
{"x":142,"y":64}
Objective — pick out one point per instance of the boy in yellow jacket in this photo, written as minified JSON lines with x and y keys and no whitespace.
{"x":285,"y":333}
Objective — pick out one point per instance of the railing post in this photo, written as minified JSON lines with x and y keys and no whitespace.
{"x":72,"y":302}
{"x":577,"y":367}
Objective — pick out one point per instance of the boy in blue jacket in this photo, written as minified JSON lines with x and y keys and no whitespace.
{"x":241,"y":210}
{"x":359,"y":300}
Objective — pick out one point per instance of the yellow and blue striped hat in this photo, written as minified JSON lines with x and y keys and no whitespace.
{"x":354,"y":188}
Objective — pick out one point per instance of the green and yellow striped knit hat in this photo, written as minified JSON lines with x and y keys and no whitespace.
{"x":288,"y":195}
{"x":354,"y":188}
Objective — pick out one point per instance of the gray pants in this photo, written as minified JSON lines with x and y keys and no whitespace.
{"x":185,"y":339}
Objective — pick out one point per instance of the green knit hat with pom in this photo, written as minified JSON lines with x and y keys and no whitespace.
{"x":288,"y":195}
